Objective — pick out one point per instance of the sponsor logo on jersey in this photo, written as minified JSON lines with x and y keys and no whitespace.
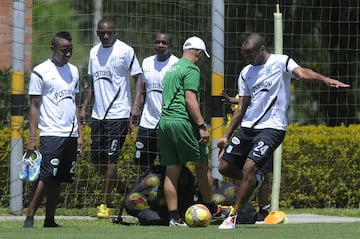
{"x":103,"y":75}
{"x":64,"y":94}
{"x":262,"y":86}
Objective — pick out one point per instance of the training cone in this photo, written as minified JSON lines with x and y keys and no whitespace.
{"x":276,"y":217}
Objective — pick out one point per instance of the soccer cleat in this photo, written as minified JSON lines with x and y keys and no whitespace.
{"x":229,"y":223}
{"x":30,"y":166}
{"x":23,"y":175}
{"x":103,"y":212}
{"x":50,"y":222}
{"x":29,"y":222}
{"x":263,"y":212}
{"x":34,"y":166}
{"x":222,"y":213}
{"x":259,"y":181}
{"x":175,"y":223}
{"x":53,"y":224}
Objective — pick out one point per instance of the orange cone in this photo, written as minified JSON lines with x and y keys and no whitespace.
{"x":276,"y":217}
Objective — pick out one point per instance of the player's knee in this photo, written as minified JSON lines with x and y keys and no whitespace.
{"x":225,"y":168}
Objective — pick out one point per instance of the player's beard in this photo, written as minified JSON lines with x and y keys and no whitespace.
{"x":162,"y":53}
{"x":108,"y":42}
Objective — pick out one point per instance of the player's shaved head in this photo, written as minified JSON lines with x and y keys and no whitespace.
{"x":108,"y":22}
{"x":255,"y":39}
{"x":60,"y":35}
{"x":254,"y":50}
{"x":106,"y":32}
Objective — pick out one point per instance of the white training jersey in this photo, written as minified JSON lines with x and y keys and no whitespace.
{"x":268,"y":85}
{"x":154,"y":72}
{"x":57,"y":87}
{"x":110,"y":69}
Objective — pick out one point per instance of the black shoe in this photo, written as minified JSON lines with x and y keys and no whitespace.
{"x":262,"y":214}
{"x":29,"y":222}
{"x":51,"y":223}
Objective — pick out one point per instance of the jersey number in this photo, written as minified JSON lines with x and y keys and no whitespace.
{"x":261,"y":148}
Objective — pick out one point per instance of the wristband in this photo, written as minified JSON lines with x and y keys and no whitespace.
{"x":203,"y":126}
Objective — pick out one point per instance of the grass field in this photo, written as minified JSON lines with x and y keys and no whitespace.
{"x":341,"y":212}
{"x":104,"y":229}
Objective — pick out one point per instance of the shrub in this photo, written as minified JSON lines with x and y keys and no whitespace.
{"x":320,"y":168}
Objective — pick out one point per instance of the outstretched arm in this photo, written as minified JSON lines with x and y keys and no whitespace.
{"x":308,"y":74}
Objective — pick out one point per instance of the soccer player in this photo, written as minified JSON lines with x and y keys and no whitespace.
{"x":264,"y":90}
{"x":263,"y":194}
{"x":154,"y":68}
{"x":53,"y":88}
{"x":111,"y":63}
{"x":183,"y":134}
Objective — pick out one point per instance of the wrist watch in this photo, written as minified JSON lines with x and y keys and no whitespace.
{"x":203,"y":126}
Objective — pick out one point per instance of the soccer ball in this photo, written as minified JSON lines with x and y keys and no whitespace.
{"x":137,"y":201}
{"x":218,"y":198}
{"x":151,"y":193}
{"x":197,"y":215}
{"x":151,"y":180}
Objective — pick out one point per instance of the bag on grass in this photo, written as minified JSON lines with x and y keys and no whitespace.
{"x":145,"y":199}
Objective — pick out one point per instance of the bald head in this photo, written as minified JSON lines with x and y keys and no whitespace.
{"x":254,"y":50}
{"x":255,"y":39}
{"x":106,"y":32}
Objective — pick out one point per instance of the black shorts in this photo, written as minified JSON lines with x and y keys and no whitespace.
{"x":146,"y":147}
{"x":269,"y":165}
{"x":256,"y":144}
{"x":107,"y":139}
{"x":58,"y":158}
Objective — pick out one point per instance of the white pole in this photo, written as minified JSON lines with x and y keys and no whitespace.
{"x":17,"y":96}
{"x":98,"y":8}
{"x":278,"y":44}
{"x":217,"y":83}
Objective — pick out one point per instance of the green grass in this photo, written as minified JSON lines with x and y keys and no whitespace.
{"x":103,"y":229}
{"x":342,"y":212}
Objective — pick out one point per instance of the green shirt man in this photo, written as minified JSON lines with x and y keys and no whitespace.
{"x":183,"y":135}
{"x":184,"y":75}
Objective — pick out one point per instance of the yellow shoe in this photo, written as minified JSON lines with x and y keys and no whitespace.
{"x":223,"y":212}
{"x":103,"y":212}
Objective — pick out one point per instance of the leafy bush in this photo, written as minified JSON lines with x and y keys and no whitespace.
{"x":5,"y":90}
{"x":320,"y":168}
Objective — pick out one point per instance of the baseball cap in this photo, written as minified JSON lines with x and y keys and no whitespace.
{"x":195,"y":43}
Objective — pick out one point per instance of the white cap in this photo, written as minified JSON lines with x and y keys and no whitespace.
{"x":195,"y":43}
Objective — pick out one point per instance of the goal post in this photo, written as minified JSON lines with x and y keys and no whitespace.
{"x":278,"y":49}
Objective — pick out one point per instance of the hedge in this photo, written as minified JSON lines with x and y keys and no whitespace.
{"x":320,"y":168}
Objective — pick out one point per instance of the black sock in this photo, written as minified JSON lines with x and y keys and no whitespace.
{"x":211,"y":206}
{"x":174,"y":214}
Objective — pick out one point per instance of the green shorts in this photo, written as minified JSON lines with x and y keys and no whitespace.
{"x":179,"y":143}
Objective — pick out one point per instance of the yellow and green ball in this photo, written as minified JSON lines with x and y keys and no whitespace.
{"x":197,"y":215}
